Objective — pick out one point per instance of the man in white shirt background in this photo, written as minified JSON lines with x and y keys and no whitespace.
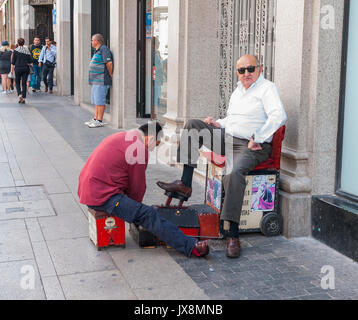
{"x":254,"y":115}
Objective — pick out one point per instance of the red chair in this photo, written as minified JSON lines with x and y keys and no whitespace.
{"x":271,"y":223}
{"x":273,"y":163}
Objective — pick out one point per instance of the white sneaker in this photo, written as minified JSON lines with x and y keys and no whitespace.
{"x":89,"y":122}
{"x":96,"y":124}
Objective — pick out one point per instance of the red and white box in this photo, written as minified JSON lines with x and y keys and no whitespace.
{"x":106,"y":230}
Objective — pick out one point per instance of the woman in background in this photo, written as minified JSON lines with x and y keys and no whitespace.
{"x":5,"y":66}
{"x":20,"y":65}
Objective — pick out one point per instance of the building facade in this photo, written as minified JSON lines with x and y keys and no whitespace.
{"x":7,"y":19}
{"x":174,"y":60}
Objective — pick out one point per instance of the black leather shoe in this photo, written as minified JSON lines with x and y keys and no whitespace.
{"x":202,"y":248}
{"x":177,"y":186}
{"x":233,"y":248}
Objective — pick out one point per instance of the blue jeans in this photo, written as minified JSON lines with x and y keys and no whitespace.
{"x":148,"y":217}
{"x":48,"y":76}
{"x":36,"y":78}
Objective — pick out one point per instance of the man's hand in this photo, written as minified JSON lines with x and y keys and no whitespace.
{"x":212,"y":122}
{"x":254,"y":146}
{"x":109,"y":66}
{"x":40,"y":64}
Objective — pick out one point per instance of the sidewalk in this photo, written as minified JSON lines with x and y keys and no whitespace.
{"x":43,"y":147}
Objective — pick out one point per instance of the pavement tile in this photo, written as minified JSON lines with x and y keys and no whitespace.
{"x":26,"y":209}
{"x":178,"y":291}
{"x":150,"y":268}
{"x":67,"y":226}
{"x":43,"y":259}
{"x":14,"y":241}
{"x":7,"y":179}
{"x":52,"y":288}
{"x":79,"y":255}
{"x":8,"y":195}
{"x":65,"y":203}
{"x":20,"y":280}
{"x":109,"y":285}
{"x":34,"y":230}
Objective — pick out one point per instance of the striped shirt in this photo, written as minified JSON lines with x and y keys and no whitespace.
{"x":98,"y":73}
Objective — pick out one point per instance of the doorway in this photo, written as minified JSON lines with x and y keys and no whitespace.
{"x":100,"y":23}
{"x":43,"y":23}
{"x":152,"y":59}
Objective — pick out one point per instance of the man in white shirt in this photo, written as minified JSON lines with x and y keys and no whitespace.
{"x":255,"y":113}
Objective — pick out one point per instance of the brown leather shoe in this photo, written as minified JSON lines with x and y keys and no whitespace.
{"x":202,"y":248}
{"x":177,"y":186}
{"x":233,"y":248}
{"x":46,"y":89}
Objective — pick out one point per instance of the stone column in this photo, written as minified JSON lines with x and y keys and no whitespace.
{"x":303,"y":74}
{"x":289,"y":78}
{"x":193,"y":63}
{"x":24,"y":19}
{"x":82,"y":50}
{"x":124,"y":49}
{"x":63,"y":39}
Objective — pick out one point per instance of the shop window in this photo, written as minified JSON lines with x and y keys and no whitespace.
{"x":348,"y":157}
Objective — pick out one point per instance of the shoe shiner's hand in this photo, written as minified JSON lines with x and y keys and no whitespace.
{"x":212,"y":122}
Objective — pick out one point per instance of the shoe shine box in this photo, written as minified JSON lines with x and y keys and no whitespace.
{"x":197,"y":221}
{"x":106,"y":230}
{"x":186,"y":219}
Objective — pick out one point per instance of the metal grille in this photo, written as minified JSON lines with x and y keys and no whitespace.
{"x":246,"y":27}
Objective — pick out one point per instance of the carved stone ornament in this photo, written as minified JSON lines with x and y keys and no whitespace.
{"x":246,"y":27}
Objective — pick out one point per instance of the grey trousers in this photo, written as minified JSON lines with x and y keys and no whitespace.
{"x":240,"y":160}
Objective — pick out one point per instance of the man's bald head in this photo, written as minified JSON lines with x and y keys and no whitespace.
{"x":248,"y":79}
{"x":248,"y":58}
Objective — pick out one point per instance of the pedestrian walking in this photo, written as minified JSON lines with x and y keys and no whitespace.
{"x":5,"y":66}
{"x":47,"y":60}
{"x":100,"y":78}
{"x":35,"y":50}
{"x":11,"y":77}
{"x":20,"y":63}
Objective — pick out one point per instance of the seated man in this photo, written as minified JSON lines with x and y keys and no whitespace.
{"x":114,"y":181}
{"x":255,"y":113}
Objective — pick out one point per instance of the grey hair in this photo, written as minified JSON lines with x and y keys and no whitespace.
{"x":98,"y":37}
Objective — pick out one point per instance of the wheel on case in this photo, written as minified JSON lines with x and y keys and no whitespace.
{"x":271,"y":225}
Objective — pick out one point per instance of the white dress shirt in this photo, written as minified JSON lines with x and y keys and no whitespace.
{"x":257,"y":111}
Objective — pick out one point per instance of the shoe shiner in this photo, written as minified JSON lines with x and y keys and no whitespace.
{"x":114,"y":181}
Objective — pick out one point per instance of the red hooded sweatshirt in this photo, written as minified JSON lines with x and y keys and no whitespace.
{"x":117,"y":166}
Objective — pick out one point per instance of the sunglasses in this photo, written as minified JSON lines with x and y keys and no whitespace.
{"x":250,"y":69}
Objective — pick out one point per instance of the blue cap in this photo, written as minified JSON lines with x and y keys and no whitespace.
{"x":5,"y":43}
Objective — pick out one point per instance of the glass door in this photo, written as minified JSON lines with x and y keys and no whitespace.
{"x":159,"y":59}
{"x":152,"y":58}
